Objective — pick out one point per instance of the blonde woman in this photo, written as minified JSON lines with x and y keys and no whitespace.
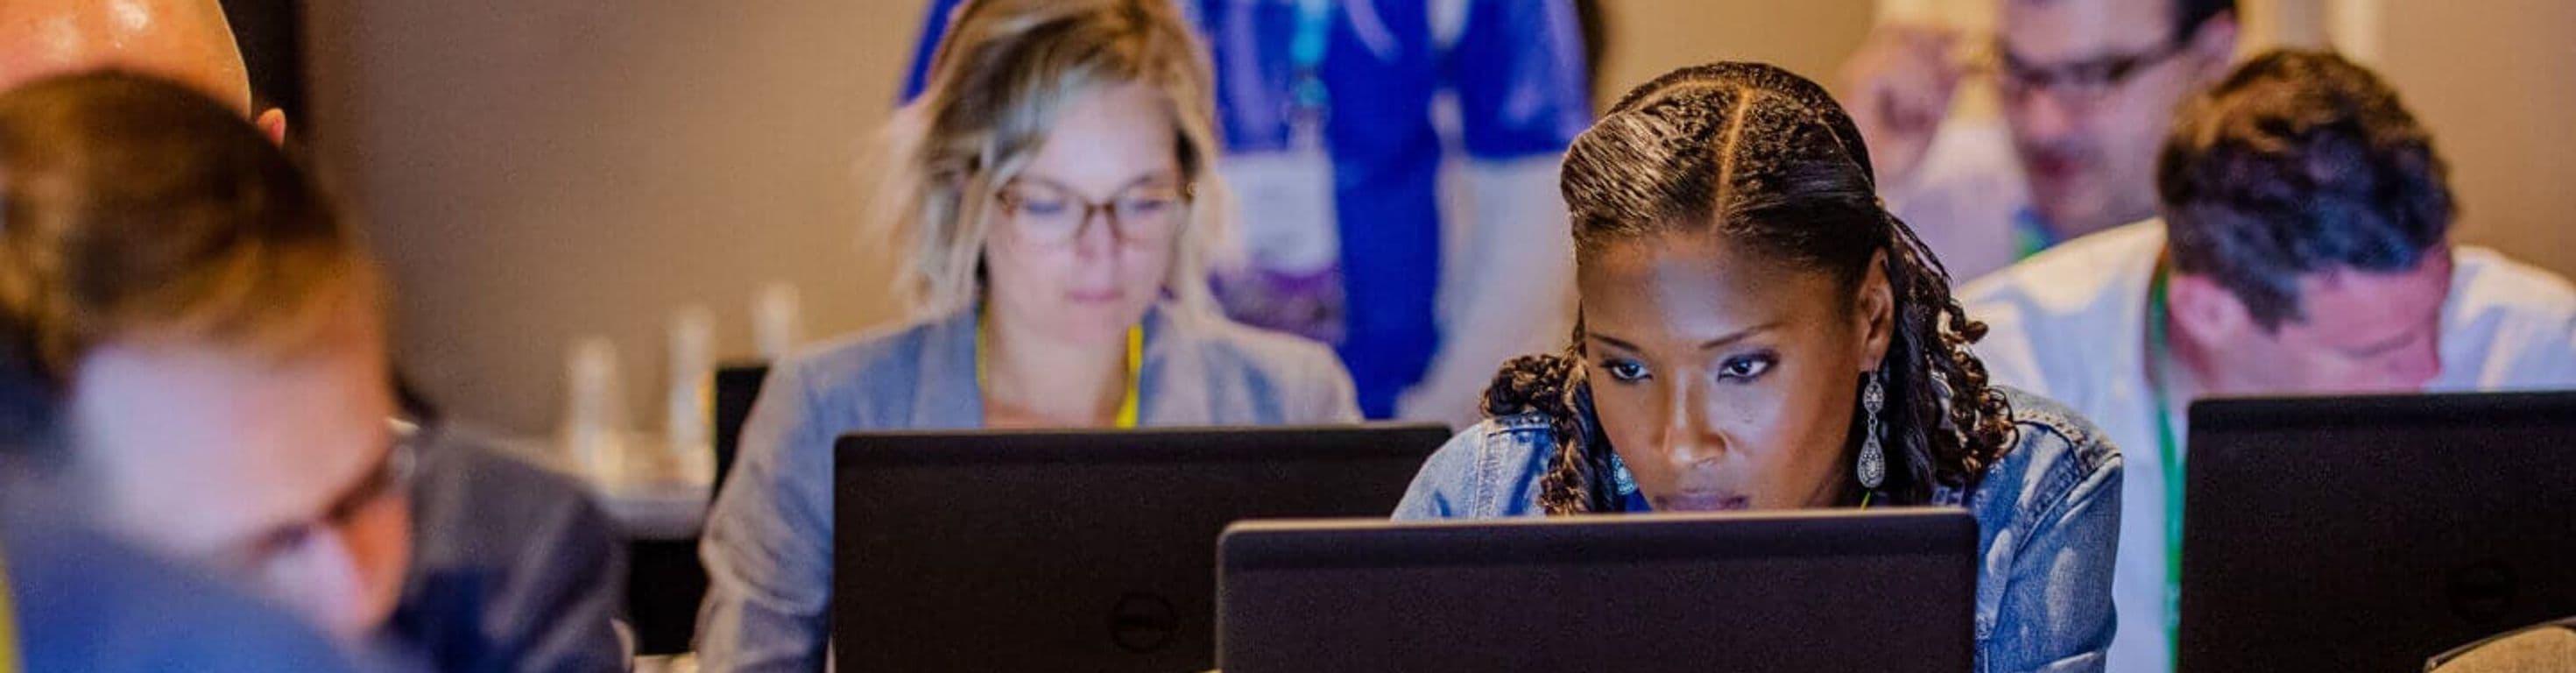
{"x":1053,"y":189}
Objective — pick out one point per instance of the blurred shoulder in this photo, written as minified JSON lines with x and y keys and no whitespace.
{"x":884,"y":350}
{"x":1248,"y":346}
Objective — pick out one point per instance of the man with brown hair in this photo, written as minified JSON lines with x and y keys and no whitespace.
{"x":76,"y":601}
{"x":213,"y":328}
{"x":215,"y":335}
{"x":2305,"y":249}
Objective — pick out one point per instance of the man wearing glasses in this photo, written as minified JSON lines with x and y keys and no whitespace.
{"x":214,"y":337}
{"x":2087,"y":89}
{"x":213,"y":334}
{"x":73,"y":600}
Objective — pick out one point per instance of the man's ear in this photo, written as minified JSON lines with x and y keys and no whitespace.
{"x":2213,"y":46}
{"x":273,"y":124}
{"x":2204,"y":311}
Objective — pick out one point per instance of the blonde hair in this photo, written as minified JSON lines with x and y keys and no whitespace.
{"x":133,"y":208}
{"x":1004,"y":73}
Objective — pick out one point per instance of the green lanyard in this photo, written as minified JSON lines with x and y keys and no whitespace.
{"x":2169,"y":450}
{"x":2030,"y":237}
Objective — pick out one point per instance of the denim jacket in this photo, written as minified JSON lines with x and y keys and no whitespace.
{"x":2048,"y":519}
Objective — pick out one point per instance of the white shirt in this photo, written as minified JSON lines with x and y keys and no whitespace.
{"x":2070,"y":324}
{"x":1965,"y":198}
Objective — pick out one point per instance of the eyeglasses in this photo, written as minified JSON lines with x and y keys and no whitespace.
{"x":2079,"y":84}
{"x":391,"y":481}
{"x":1052,"y":214}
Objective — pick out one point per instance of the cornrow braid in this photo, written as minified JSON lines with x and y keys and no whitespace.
{"x":1964,"y":423}
{"x":1554,"y":386}
{"x":1767,"y":160}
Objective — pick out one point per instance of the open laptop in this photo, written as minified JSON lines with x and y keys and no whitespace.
{"x":1798,"y":591}
{"x":1074,"y":551}
{"x":2372,"y":533}
{"x":737,"y":387}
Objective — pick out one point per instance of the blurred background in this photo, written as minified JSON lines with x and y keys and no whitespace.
{"x":568,"y":168}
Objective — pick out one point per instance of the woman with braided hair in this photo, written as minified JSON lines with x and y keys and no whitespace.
{"x":1758,"y":332}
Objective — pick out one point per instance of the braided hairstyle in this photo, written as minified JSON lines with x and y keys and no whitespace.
{"x":1767,"y":160}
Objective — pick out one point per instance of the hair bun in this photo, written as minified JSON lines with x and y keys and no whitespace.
{"x":1529,"y":384}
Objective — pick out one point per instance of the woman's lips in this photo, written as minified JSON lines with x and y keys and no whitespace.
{"x":1098,"y":297}
{"x":1703,"y":502}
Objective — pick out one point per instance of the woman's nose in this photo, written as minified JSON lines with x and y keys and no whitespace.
{"x":1686,"y":439}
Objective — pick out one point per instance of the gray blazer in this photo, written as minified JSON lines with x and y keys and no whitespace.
{"x":513,"y":567}
{"x":768,"y":541}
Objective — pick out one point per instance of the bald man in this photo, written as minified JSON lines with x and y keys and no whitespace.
{"x":508,"y":566}
{"x":187,"y":41}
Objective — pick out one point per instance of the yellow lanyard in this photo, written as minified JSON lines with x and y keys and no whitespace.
{"x":8,"y":627}
{"x":1126,"y":406}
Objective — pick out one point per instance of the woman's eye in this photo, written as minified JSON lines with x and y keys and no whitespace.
{"x":1744,"y":367}
{"x":1624,"y":370}
{"x":1042,"y":207}
{"x":1144,"y":205}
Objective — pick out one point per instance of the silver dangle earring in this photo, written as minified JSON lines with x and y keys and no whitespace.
{"x":1873,"y":459}
{"x":1620,"y":478}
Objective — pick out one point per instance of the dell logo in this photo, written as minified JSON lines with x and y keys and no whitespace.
{"x":2482,"y":593}
{"x":1142,"y":622}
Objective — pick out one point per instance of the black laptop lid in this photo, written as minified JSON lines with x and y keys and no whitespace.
{"x":2368,"y":534}
{"x":737,"y":387}
{"x":1801,"y":591}
{"x":1074,"y":551}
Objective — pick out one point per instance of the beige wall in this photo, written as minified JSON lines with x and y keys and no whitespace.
{"x":1649,"y":37}
{"x":537,"y":170}
{"x":543,"y":169}
{"x":2492,"y":78}
{"x":546,"y":169}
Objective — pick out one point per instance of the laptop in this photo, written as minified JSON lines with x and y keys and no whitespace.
{"x":1797,"y":591}
{"x":1074,"y":551}
{"x":737,"y":386}
{"x":2373,"y":533}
